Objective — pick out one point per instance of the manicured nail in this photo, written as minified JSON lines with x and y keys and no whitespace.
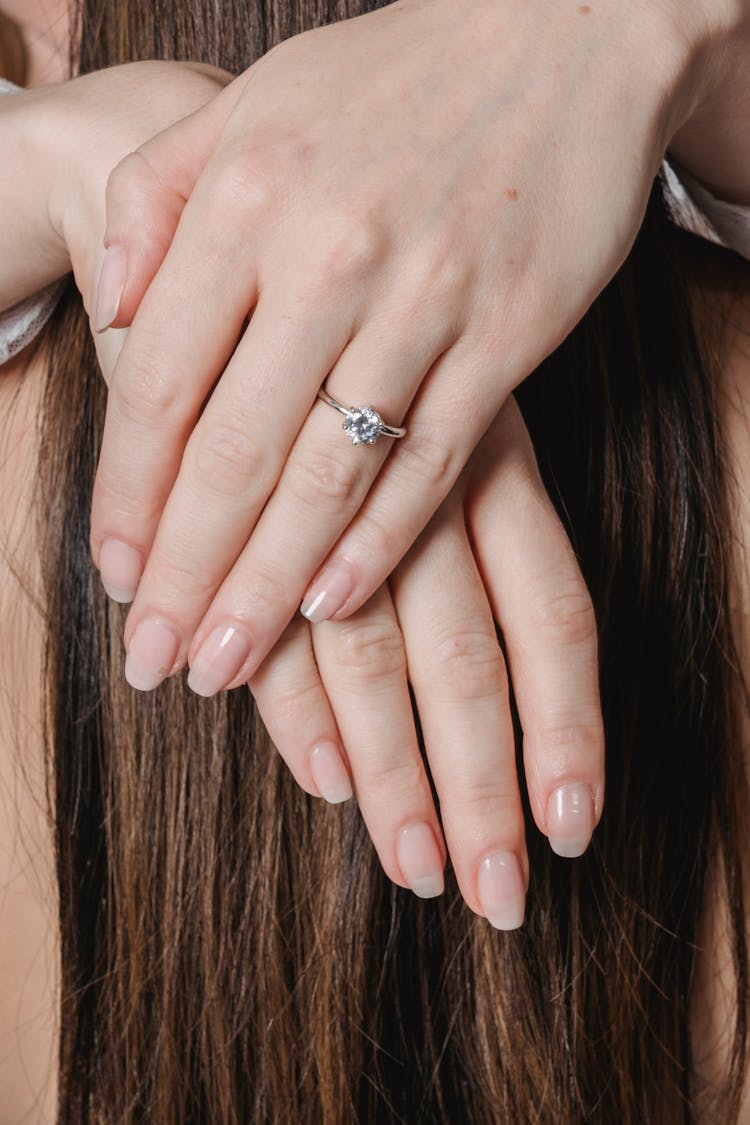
{"x":501,"y":890}
{"x":570,"y":819}
{"x":111,"y":285}
{"x":330,"y":773}
{"x":120,"y":569}
{"x":219,"y":659}
{"x":420,"y":861}
{"x":151,"y":653}
{"x":328,"y":593}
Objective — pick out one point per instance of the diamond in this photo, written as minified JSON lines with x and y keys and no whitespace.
{"x":362,"y":425}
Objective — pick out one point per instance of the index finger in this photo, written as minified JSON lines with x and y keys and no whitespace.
{"x":181,"y":337}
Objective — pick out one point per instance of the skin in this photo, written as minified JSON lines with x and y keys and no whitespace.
{"x":340,"y":240}
{"x":472,"y":660}
{"x":363,"y":658}
{"x":440,"y":538}
{"x":66,"y":134}
{"x":27,"y":905}
{"x":552,"y":644}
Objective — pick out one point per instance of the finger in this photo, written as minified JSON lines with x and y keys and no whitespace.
{"x":447,"y":419}
{"x":146,"y":194}
{"x":540,"y":599}
{"x":458,"y":674}
{"x":229,"y":466}
{"x":363,"y":667}
{"x":153,"y":407}
{"x":295,"y":709}
{"x":170,"y":360}
{"x":319,"y":490}
{"x":194,"y":579}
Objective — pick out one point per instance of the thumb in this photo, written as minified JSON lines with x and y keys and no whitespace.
{"x":145,"y":196}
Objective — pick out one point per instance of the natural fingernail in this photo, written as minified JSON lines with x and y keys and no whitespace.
{"x":219,"y":659}
{"x":328,"y":593}
{"x":120,"y":569}
{"x":501,"y":890}
{"x":330,"y":773}
{"x":420,"y":860}
{"x":151,"y":653}
{"x":570,"y":819}
{"x":111,"y":285}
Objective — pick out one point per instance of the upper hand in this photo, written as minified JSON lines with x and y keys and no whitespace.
{"x":416,"y":205}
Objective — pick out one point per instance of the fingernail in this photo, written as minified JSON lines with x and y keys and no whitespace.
{"x":151,"y":653}
{"x":120,"y":569}
{"x":330,"y":773}
{"x":219,"y":659}
{"x":420,"y":861}
{"x":111,"y":285}
{"x":501,"y":890}
{"x":570,"y":819}
{"x":328,"y":593}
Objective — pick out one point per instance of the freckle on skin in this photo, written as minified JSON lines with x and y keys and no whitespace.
{"x":511,"y":193}
{"x":584,"y":9}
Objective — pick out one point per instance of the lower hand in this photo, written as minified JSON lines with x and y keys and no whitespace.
{"x":335,"y":698}
{"x":60,"y":143}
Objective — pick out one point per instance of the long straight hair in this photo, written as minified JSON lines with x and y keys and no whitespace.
{"x":231,"y":951}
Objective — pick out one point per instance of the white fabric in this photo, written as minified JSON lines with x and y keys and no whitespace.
{"x":692,"y":206}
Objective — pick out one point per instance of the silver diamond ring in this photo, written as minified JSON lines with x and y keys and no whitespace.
{"x":362,"y":425}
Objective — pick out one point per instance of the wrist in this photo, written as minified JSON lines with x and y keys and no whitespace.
{"x":31,"y":252}
{"x":711,"y":142}
{"x":688,"y":46}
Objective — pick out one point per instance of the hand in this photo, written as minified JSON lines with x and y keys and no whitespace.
{"x":420,"y":226}
{"x":60,"y":143}
{"x":334,"y":696}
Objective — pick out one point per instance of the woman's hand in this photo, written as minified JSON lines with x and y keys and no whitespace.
{"x":417,"y":205}
{"x":59,"y":145}
{"x":335,"y":699}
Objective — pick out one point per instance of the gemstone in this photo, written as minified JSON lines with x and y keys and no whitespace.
{"x":362,"y":425}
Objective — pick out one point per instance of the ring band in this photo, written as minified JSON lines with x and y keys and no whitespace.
{"x":362,"y":425}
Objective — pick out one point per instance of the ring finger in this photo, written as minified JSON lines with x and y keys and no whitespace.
{"x":457,"y":670}
{"x":363,"y":667}
{"x":230,"y":465}
{"x":298,"y":716}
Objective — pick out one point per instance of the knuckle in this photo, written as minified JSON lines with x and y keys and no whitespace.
{"x":438,"y":274}
{"x":482,"y":801}
{"x":345,"y":249}
{"x":146,"y":394}
{"x":395,"y":776}
{"x":565,"y":743}
{"x":469,"y":665}
{"x":429,"y":459}
{"x":254,"y":592}
{"x":178,"y":582}
{"x":249,"y":183}
{"x":567,"y":613}
{"x":127,"y":177}
{"x":382,"y":536}
{"x":322,"y":476}
{"x":371,"y":650}
{"x":223,"y":458}
{"x":122,"y":499}
{"x":292,"y":700}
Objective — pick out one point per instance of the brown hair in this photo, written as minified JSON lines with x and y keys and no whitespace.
{"x":231,"y":951}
